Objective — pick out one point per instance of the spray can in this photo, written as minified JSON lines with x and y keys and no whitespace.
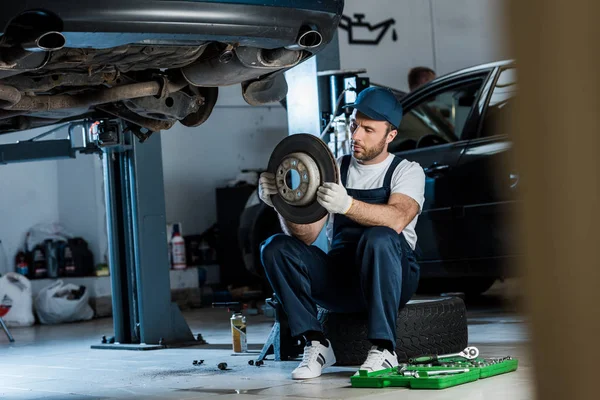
{"x":238,"y":333}
{"x":178,"y":249}
{"x":238,"y":326}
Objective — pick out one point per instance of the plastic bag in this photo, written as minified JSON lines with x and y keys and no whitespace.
{"x":41,"y":232}
{"x":16,"y":297}
{"x":60,"y":302}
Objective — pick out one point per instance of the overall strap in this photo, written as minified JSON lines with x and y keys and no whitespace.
{"x":387,"y":182}
{"x":344,"y":169}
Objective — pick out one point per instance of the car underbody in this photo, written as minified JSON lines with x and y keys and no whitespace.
{"x":47,"y":77}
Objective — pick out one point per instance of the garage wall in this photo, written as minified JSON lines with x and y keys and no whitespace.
{"x":467,"y":32}
{"x":445,"y":35}
{"x":29,"y":196}
{"x":197,"y":161}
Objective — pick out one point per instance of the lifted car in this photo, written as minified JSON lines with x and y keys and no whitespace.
{"x":150,"y":62}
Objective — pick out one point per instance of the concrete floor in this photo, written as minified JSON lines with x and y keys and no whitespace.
{"x":56,"y":362}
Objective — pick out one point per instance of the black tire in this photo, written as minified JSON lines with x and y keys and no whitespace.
{"x":472,"y":286}
{"x":257,"y":224}
{"x":436,"y":326}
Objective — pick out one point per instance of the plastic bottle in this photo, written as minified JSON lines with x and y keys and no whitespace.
{"x":178,"y":249}
{"x":39,"y":267}
{"x":69,"y":263}
{"x":21,"y":263}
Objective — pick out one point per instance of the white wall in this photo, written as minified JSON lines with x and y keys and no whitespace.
{"x":198,"y":160}
{"x":468,"y":32}
{"x":445,"y":35}
{"x":28,"y":196}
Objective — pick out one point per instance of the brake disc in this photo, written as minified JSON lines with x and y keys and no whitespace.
{"x":314,"y":164}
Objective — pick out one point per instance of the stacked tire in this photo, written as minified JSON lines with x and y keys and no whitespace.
{"x":429,"y":326}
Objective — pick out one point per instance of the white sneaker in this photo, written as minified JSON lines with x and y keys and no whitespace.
{"x":315,"y":358}
{"x":379,"y":359}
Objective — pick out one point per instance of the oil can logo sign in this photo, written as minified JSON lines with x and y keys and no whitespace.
{"x":366,"y":33}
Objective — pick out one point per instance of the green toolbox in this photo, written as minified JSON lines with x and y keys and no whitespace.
{"x":441,"y":375}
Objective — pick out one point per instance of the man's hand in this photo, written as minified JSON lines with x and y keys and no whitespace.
{"x":267,"y":187}
{"x":334,"y":198}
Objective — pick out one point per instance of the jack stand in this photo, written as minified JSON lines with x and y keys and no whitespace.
{"x":10,"y":338}
{"x":280,"y":342}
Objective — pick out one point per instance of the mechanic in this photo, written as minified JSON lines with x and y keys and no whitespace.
{"x":371,"y":264}
{"x":418,"y":76}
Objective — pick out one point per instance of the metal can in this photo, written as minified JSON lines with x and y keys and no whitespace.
{"x":238,"y":333}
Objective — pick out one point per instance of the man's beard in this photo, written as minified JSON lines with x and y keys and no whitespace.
{"x":370,"y":153}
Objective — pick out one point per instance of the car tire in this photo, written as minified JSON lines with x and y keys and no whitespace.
{"x":257,"y":223}
{"x":433,"y":326}
{"x":471,"y":286}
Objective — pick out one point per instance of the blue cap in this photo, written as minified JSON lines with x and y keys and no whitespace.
{"x":379,"y":104}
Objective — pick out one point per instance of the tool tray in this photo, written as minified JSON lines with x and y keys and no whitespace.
{"x":392,"y":377}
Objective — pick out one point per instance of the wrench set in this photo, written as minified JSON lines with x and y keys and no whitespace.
{"x":437,"y":371}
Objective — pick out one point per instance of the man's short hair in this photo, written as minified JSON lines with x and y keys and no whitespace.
{"x":415,"y":75}
{"x":390,"y":127}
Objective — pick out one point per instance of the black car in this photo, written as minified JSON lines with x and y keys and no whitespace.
{"x":150,"y":62}
{"x":455,"y":128}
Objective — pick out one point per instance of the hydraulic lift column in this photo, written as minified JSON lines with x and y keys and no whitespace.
{"x":144,"y":316}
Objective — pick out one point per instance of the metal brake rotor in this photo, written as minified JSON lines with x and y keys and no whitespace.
{"x":309,"y":176}
{"x":311,"y":158}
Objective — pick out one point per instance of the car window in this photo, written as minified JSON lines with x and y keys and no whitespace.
{"x":496,"y":116}
{"x":437,"y":119}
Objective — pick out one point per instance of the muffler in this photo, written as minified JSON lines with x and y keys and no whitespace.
{"x":239,"y":65}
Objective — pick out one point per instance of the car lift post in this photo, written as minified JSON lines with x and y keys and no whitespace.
{"x":144,"y":316}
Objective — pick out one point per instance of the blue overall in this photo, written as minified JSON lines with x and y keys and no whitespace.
{"x":369,"y":269}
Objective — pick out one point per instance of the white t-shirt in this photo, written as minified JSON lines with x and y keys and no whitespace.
{"x":408,"y":179}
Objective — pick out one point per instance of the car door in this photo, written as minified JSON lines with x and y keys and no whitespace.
{"x":488,"y":184}
{"x":431,"y":134}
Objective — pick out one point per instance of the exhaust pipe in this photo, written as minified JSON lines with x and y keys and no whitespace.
{"x":48,"y":41}
{"x":44,"y":43}
{"x":9,"y":96}
{"x":308,"y":38}
{"x":12,"y":99}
